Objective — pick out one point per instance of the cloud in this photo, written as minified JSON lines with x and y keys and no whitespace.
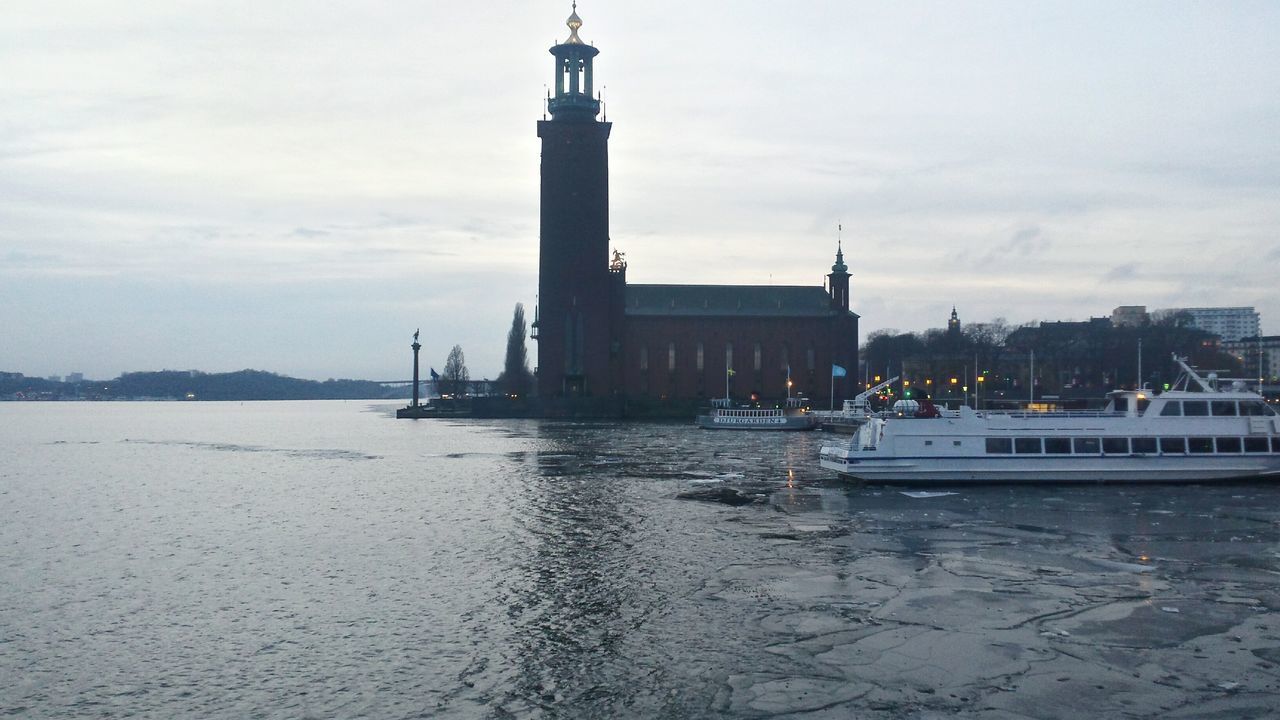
{"x":1127,"y":271}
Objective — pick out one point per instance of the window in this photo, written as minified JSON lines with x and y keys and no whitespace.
{"x":700,"y":362}
{"x":1122,"y":404}
{"x":1143,"y":446}
{"x":1115,"y":446}
{"x":810,"y":357}
{"x":1000,"y":446}
{"x":1057,"y":446}
{"x":1252,"y":409}
{"x":1275,"y":444}
{"x":728,"y":356}
{"x":1223,"y":407}
{"x":644,"y":357}
{"x":1026,"y":446}
{"x":671,"y":357}
{"x":1195,"y":408}
{"x":1175,"y":446}
{"x":757,"y":356}
{"x":786,"y":358}
{"x":1173,"y":408}
{"x":1200,"y":445}
{"x":1255,"y":445}
{"x":1229,"y":445}
{"x":1087,"y":446}
{"x":1143,"y":404}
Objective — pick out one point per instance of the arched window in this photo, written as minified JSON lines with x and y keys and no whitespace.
{"x":644,"y":357}
{"x":757,"y":356}
{"x":671,"y":357}
{"x":700,"y":363}
{"x":728,"y":356}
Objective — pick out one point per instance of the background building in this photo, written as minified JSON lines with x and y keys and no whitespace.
{"x":1255,"y":351}
{"x":600,"y":337}
{"x":1228,"y":323}
{"x":1130,"y":316}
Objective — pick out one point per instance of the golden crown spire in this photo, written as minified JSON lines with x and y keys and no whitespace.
{"x":574,"y":22}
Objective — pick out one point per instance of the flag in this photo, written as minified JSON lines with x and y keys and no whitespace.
{"x":435,"y":375}
{"x":837,"y":371}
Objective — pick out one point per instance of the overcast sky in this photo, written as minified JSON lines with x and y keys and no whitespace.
{"x":297,"y":186}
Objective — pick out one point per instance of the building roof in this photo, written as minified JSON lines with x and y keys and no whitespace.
{"x":728,"y":300}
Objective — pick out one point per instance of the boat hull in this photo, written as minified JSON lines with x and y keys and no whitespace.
{"x":1088,"y":470}
{"x":785,"y":422}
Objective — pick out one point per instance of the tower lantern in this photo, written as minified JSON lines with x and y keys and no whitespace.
{"x":574,"y":99}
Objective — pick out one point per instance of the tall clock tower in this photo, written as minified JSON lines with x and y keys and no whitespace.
{"x":572,"y":325}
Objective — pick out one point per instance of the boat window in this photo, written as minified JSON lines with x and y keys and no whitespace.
{"x":1200,"y":445}
{"x":1253,"y":409}
{"x":928,"y":443}
{"x":1223,"y":407}
{"x":1143,"y":403}
{"x":1087,"y":446}
{"x":1275,"y":444}
{"x":1144,"y":445}
{"x":1122,"y":404}
{"x":1057,"y":446}
{"x":1000,"y":446}
{"x":1175,"y":446}
{"x":1255,"y":445}
{"x":1229,"y":445}
{"x":1115,"y":446}
{"x":1171,"y":408}
{"x":1195,"y":408}
{"x":1268,"y":410}
{"x":1026,"y":446}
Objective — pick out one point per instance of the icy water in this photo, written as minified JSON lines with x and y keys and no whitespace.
{"x":322,"y":559}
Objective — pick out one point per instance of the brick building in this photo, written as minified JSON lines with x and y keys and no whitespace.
{"x":601,"y":337}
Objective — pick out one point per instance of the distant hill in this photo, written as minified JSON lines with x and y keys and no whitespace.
{"x":185,"y":384}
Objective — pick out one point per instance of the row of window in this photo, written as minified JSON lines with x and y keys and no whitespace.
{"x":1128,"y":446}
{"x":1216,"y":408}
{"x":757,"y":357}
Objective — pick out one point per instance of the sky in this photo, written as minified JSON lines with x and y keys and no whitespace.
{"x":298,"y":186}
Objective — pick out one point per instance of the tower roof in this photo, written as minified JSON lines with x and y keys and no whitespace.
{"x":839,"y":267}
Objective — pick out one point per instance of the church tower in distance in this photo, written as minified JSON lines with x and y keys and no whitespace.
{"x":573,"y":322}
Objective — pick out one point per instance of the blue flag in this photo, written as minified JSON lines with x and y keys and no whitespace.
{"x":837,"y":371}
{"x":434,"y":375}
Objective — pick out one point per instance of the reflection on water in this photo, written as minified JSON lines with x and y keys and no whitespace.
{"x":314,"y":559}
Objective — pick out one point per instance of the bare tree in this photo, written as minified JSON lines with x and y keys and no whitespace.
{"x":455,"y":377}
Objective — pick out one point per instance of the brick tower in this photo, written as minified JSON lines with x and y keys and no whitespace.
{"x":573,"y":319}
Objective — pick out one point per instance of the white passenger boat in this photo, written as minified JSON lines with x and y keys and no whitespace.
{"x":1194,"y":432}
{"x":794,"y":416}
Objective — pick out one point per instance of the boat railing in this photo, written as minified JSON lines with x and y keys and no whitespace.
{"x":748,"y":412}
{"x":1023,"y":414}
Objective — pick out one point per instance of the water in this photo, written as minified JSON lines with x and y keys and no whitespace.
{"x":321,"y":559}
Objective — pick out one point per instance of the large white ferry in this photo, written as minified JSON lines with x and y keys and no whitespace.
{"x":1194,"y":432}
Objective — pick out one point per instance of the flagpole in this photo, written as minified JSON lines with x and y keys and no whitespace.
{"x":832,"y":404}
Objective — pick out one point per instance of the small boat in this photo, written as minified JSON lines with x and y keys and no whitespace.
{"x":1197,"y":431}
{"x":795,"y":415}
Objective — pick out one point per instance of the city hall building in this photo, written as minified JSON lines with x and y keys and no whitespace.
{"x":600,"y":337}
